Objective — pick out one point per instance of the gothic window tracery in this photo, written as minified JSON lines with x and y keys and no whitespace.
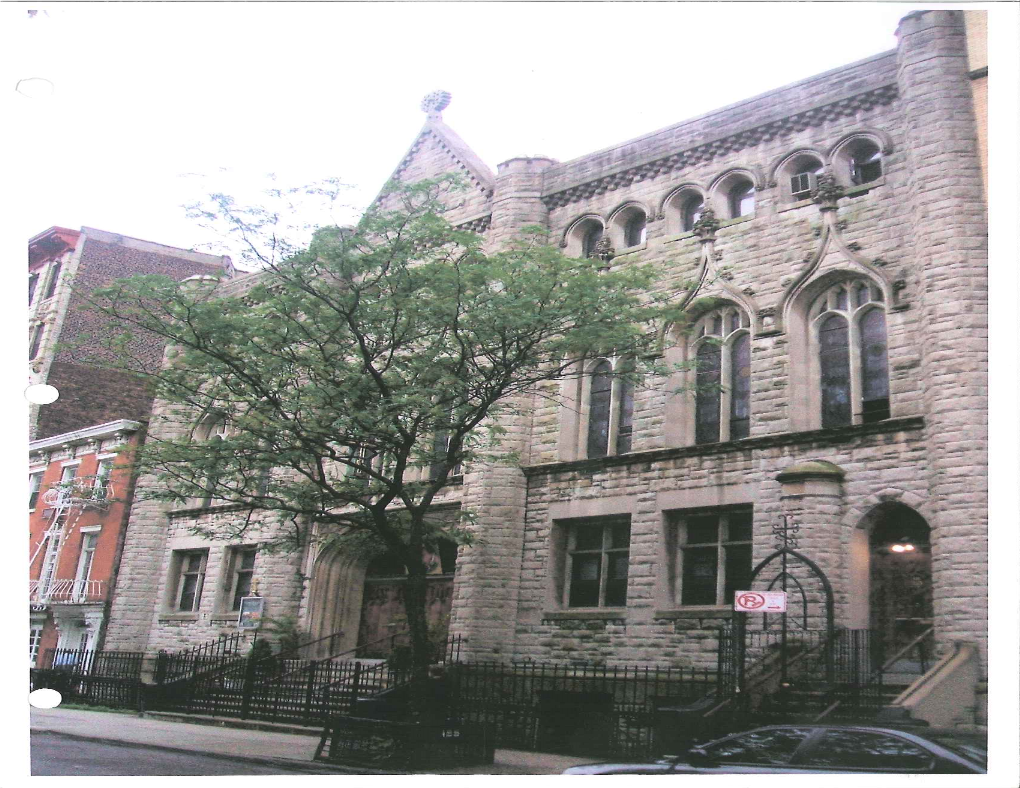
{"x":849,"y":330}
{"x":721,"y":350}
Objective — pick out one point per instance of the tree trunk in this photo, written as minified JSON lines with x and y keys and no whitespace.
{"x":421,"y":646}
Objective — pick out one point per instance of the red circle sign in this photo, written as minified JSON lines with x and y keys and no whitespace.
{"x":751,"y":601}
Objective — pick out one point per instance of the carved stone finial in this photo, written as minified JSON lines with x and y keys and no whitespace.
{"x":435,"y":102}
{"x":827,"y":191}
{"x":706,"y":225}
{"x":603,"y":250}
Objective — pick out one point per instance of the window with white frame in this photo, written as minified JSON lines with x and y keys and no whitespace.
{"x":598,"y":555}
{"x":610,"y":409}
{"x":848,"y":331}
{"x":242,"y":569}
{"x":713,"y":555}
{"x":34,"y":485}
{"x":721,"y":349}
{"x":100,"y":487}
{"x":189,"y":579}
{"x":34,"y":639}
{"x":84,"y":572}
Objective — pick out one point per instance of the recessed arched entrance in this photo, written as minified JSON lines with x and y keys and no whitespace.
{"x":383,"y":616}
{"x":900,"y":580}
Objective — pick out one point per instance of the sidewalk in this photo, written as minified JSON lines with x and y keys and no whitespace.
{"x":268,"y":742}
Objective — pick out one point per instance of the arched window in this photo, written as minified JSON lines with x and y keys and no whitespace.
{"x":722,"y":379}
{"x":592,"y":235}
{"x":634,"y":231}
{"x":804,"y":177}
{"x":599,"y":404}
{"x":741,"y":199}
{"x":848,"y":321}
{"x":865,"y":162}
{"x":213,"y":427}
{"x":610,"y":411}
{"x":692,"y":209}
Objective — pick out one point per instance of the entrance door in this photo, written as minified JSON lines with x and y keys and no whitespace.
{"x":383,"y":617}
{"x":901,"y":586}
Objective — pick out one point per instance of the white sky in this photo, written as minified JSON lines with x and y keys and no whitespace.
{"x":145,"y":93}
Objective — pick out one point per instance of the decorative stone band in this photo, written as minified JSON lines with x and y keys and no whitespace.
{"x":816,"y":439}
{"x":464,"y":170}
{"x":477,"y":225}
{"x":747,"y":138}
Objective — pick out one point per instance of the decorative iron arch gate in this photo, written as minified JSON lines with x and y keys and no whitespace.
{"x":769,"y":650}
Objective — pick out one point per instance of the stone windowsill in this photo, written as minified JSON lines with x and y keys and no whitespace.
{"x":632,"y":249}
{"x":220,"y":618}
{"x":723,"y":224}
{"x":696,"y":611}
{"x":790,"y":206}
{"x":178,"y":617}
{"x":585,"y":614}
{"x":864,"y":188}
{"x":683,"y":236}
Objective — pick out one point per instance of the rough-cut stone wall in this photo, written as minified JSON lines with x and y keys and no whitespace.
{"x":947,"y":233}
{"x":885,"y":459}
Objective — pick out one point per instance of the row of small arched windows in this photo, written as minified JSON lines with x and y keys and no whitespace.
{"x":848,"y":372}
{"x":856,"y":162}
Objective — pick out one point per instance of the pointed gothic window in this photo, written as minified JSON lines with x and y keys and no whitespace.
{"x":722,"y":379}
{"x":610,"y":411}
{"x":850,"y":334}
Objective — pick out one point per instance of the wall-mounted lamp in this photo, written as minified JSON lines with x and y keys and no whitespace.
{"x":904,"y":545}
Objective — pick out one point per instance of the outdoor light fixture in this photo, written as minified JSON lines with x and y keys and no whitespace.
{"x":904,"y":545}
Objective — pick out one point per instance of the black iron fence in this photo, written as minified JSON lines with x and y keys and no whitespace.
{"x":112,"y":664}
{"x":209,"y":656}
{"x":581,"y":710}
{"x":95,"y":678}
{"x":286,"y":688}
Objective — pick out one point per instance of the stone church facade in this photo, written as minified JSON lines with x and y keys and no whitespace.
{"x":829,"y":239}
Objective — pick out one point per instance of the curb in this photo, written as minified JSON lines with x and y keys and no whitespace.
{"x":281,"y":763}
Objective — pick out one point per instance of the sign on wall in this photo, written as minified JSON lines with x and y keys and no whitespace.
{"x":250,"y":616}
{"x":760,"y":601}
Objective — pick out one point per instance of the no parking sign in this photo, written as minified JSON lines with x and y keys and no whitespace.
{"x":760,"y":601}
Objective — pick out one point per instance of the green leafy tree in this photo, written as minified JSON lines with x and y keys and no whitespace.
{"x":356,"y":375}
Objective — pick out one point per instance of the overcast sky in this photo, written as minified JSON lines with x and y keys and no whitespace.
{"x":146,"y":94}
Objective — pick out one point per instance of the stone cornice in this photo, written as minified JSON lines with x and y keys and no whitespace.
{"x":108,"y":430}
{"x":822,"y":437}
{"x":722,"y":146}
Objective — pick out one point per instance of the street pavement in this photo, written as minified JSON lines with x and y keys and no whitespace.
{"x":62,"y":755}
{"x":274,"y":746}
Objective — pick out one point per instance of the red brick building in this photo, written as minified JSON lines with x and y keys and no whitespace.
{"x":80,"y":479}
{"x":64,"y":264}
{"x":80,"y":486}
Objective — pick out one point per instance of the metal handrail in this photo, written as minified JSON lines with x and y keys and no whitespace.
{"x":896,"y":657}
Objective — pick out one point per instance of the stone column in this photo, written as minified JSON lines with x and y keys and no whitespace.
{"x":812,"y":494}
{"x":946,"y":244}
{"x":487,"y":583}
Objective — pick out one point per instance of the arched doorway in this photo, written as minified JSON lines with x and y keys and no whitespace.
{"x":335,"y":600}
{"x":383,"y":618}
{"x":900,"y":599}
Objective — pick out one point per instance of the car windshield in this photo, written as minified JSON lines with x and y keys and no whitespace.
{"x":969,"y":746}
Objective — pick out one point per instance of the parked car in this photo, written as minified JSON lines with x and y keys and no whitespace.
{"x":820,"y":749}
